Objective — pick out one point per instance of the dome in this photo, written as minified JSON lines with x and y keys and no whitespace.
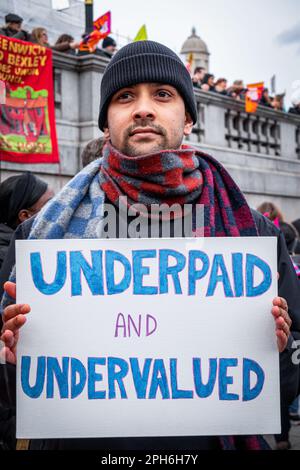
{"x":194,"y":44}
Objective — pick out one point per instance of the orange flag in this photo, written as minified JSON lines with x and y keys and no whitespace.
{"x":102,"y":28}
{"x":253,"y":95}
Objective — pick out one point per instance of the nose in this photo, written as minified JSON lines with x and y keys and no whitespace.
{"x":143,"y":109}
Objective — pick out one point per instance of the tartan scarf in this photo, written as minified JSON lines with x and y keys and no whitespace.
{"x":179,"y":177}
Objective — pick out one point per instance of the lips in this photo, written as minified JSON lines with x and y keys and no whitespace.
{"x":144,"y":130}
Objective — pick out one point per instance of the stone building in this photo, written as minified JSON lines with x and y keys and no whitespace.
{"x":195,"y":51}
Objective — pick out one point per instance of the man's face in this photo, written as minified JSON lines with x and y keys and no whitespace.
{"x":147,"y":118}
{"x":112,"y":49}
{"x":15,"y":26}
{"x":201,"y":74}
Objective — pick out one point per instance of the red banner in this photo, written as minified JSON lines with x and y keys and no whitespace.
{"x":27,"y":116}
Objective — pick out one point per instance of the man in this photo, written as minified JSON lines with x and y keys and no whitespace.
{"x":198,"y":76}
{"x":147,"y":107}
{"x":109,"y":47}
{"x":13,"y":28}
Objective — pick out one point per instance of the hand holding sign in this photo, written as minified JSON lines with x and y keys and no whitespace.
{"x":13,"y":319}
{"x":283,"y":322}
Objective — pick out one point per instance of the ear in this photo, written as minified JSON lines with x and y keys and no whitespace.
{"x":106,"y":134}
{"x":23,"y":215}
{"x":188,"y":124}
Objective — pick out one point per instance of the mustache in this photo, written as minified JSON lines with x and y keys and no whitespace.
{"x":145,"y":123}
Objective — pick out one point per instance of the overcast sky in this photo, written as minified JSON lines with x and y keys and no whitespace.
{"x":247,"y":39}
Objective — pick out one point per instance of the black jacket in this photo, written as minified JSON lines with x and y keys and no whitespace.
{"x":295,"y":110}
{"x":23,"y":35}
{"x":288,"y":287}
{"x":6,"y":233}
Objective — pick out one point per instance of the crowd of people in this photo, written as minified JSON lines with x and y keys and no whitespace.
{"x":207,"y":82}
{"x":64,"y":43}
{"x":201,"y":79}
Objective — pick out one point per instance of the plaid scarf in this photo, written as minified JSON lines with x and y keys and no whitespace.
{"x":179,"y":177}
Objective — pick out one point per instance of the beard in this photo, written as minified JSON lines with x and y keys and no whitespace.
{"x":144,"y":146}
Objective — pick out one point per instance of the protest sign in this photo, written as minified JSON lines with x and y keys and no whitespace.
{"x":147,"y":337}
{"x":27,"y":116}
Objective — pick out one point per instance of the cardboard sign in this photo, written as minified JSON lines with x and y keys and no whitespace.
{"x":147,"y":337}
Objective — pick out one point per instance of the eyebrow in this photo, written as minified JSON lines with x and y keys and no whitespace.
{"x":150,"y":83}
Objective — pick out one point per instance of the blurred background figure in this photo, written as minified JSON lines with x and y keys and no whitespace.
{"x":265,"y":99}
{"x":296,"y":224}
{"x":109,"y":47}
{"x":289,"y":411}
{"x":198,"y":76}
{"x":295,"y":99}
{"x":65,"y":43}
{"x":13,"y":28}
{"x":92,"y":151}
{"x":237,"y":90}
{"x":208,"y":82}
{"x":21,"y":197}
{"x":278,"y":102}
{"x":40,"y":36}
{"x":221,"y":86}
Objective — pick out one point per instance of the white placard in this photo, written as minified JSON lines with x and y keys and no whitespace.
{"x":147,"y":337}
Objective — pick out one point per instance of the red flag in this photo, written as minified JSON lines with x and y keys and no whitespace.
{"x":27,"y":117}
{"x":103,"y":24}
{"x":102,"y":28}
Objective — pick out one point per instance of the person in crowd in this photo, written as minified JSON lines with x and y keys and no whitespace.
{"x":221,"y":86}
{"x":265,"y":99}
{"x":147,"y":107}
{"x":278,"y":102}
{"x":289,"y":411}
{"x":13,"y":28}
{"x":237,"y":90}
{"x":271,"y":211}
{"x":198,"y":76}
{"x":208,"y":82}
{"x":92,"y":151}
{"x":66,"y":43}
{"x":296,"y":224}
{"x":40,"y":36}
{"x":295,"y":99}
{"x":21,"y":197}
{"x":109,"y":47}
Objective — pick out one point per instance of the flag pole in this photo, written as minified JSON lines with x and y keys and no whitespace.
{"x":89,"y":15}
